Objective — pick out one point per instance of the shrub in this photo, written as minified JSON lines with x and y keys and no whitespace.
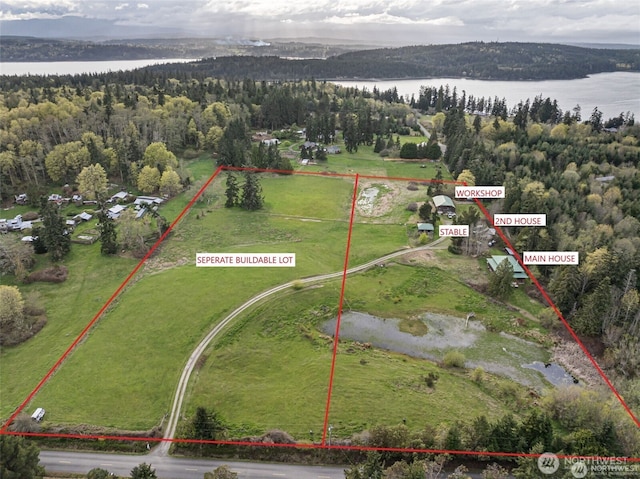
{"x":297,"y":285}
{"x":412,"y":186}
{"x":454,"y":359}
{"x":190,"y":154}
{"x":423,"y":238}
{"x":477,"y":375}
{"x":30,"y":216}
{"x":55,"y":274}
{"x":413,"y":207}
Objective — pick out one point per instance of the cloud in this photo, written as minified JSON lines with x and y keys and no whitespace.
{"x":455,"y":20}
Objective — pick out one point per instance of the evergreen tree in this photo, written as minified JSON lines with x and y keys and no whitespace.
{"x":425,"y":211}
{"x":351,"y":133}
{"x":380,"y":145}
{"x":234,"y":143}
{"x":251,"y":193}
{"x":437,"y":182}
{"x":54,"y":234}
{"x":19,"y":458}
{"x":409,"y":151}
{"x":232,"y":191}
{"x":143,"y":471}
{"x":500,"y":281}
{"x":477,"y":124}
{"x":107,"y":230}
{"x":207,"y":425}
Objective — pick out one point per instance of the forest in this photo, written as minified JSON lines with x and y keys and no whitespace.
{"x":32,"y":49}
{"x":582,"y":172}
{"x":475,"y":60}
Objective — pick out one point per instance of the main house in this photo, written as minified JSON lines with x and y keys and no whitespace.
{"x":518,"y":271}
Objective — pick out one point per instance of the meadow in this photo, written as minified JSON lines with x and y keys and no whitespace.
{"x":271,"y":369}
{"x":124,"y":373}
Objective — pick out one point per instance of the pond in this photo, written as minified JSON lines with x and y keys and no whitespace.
{"x":554,"y":373}
{"x":499,"y":353}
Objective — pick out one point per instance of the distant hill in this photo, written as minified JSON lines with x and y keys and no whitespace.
{"x":275,"y":61}
{"x":32,"y":49}
{"x":477,"y":60}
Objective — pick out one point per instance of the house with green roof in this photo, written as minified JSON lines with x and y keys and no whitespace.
{"x":425,"y":228}
{"x":444,"y":204}
{"x":518,"y":271}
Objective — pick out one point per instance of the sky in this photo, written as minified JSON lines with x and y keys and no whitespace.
{"x":382,"y":21}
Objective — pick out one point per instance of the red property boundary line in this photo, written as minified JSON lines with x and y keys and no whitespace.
{"x":313,"y":446}
{"x":84,"y":332}
{"x":323,"y":445}
{"x":336,"y":337}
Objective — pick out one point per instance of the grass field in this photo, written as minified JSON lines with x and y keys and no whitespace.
{"x":271,"y":370}
{"x":125,"y":372}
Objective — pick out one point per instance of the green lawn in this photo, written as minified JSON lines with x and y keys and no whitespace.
{"x":125,"y":372}
{"x":70,"y":306}
{"x":159,"y":319}
{"x":271,"y":370}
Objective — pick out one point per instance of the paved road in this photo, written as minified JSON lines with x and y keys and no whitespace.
{"x":180,"y":468}
{"x":170,"y":430}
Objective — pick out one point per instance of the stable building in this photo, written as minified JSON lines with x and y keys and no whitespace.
{"x":425,"y":228}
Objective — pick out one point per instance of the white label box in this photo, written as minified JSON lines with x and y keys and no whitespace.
{"x":520,"y":220}
{"x":468,"y":192}
{"x":278,"y":260}
{"x":453,"y":230}
{"x":550,"y":257}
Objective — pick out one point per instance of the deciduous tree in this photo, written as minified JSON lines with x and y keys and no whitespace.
{"x":16,"y":257}
{"x":92,"y":181}
{"x":148,"y":179}
{"x":156,"y":155}
{"x":11,"y":311}
{"x":65,"y":161}
{"x":170,"y":182}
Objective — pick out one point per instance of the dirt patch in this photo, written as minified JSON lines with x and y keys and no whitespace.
{"x":55,"y":274}
{"x":424,"y":257}
{"x":377,"y":199}
{"x":571,"y":357}
{"x":157,"y":265}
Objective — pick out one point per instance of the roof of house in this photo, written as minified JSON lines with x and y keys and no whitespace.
{"x":518,"y":270}
{"x":442,"y":200}
{"x":604,"y":179}
{"x":121,"y":195}
{"x":425,"y":227}
{"x":83,"y":216}
{"x":142,"y":200}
